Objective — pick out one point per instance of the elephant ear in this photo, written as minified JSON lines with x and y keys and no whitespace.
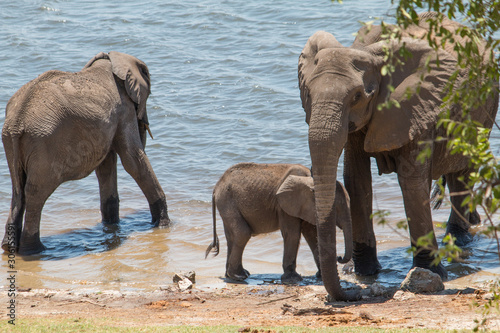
{"x":418,"y":90}
{"x":367,"y":35}
{"x":296,"y":197}
{"x":136,"y":78}
{"x":100,"y":55}
{"x":317,"y":42}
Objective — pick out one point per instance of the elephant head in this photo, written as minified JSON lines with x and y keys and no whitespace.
{"x":135,"y":75}
{"x":296,"y":197}
{"x":340,"y":90}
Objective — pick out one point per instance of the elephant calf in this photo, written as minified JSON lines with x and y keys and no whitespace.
{"x":62,"y":126}
{"x":255,"y":199}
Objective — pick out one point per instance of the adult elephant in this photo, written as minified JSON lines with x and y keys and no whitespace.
{"x":340,"y":90}
{"x":62,"y":126}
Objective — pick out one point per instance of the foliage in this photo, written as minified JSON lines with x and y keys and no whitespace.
{"x":481,"y":20}
{"x":492,"y":305}
{"x":473,"y":43}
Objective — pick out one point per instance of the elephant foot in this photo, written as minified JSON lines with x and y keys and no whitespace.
{"x":474,"y":218}
{"x":365,"y":260}
{"x":110,"y":210}
{"x":7,"y":245}
{"x":424,"y":260}
{"x":240,"y":276}
{"x":9,"y":248}
{"x":159,"y":213}
{"x":346,"y":296}
{"x":291,"y":278}
{"x":462,"y":236}
{"x":31,"y":248}
{"x":11,"y":239}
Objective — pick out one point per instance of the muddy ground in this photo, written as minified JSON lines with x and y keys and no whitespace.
{"x":263,"y":305}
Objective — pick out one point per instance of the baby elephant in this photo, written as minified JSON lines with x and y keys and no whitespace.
{"x":259,"y":198}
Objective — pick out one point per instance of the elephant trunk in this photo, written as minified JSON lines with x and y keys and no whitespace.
{"x":344,"y":213}
{"x":327,"y":136}
{"x":143,"y":124}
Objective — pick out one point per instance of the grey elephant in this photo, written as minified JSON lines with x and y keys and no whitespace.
{"x":62,"y":126}
{"x":255,"y":199}
{"x":340,"y":88}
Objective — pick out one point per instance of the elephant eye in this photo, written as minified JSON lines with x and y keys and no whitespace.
{"x":356,"y":98}
{"x":369,"y":90}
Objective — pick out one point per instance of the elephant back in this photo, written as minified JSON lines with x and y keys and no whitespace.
{"x":26,"y":101}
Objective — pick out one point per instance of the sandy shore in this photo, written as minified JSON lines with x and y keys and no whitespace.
{"x":266,"y":305}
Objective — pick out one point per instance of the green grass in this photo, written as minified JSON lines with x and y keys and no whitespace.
{"x":112,"y":325}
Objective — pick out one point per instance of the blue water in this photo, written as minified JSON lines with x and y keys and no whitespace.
{"x":224,"y":90}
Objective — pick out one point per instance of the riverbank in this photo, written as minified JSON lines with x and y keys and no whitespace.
{"x":249,"y":308}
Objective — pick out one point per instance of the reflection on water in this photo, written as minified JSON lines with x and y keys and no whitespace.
{"x":224,"y":90}
{"x":102,"y":237}
{"x":132,"y":255}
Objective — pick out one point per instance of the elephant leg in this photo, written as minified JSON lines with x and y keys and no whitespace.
{"x":310,"y":233}
{"x":460,"y":219}
{"x":108,"y":189}
{"x":136,"y":163}
{"x":13,"y":227}
{"x":358,"y":182}
{"x":238,"y":233}
{"x":416,"y":191}
{"x":36,"y":194}
{"x":290,"y":230}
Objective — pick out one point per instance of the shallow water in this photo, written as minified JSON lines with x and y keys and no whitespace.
{"x":224,"y":90}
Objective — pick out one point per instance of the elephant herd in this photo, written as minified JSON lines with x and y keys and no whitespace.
{"x":61,"y":126}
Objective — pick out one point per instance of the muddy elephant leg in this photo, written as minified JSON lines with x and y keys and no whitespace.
{"x":290,"y":230}
{"x":108,"y":189}
{"x":136,"y":163}
{"x":460,"y":220}
{"x":415,"y":187}
{"x":310,"y":233}
{"x":358,"y":182}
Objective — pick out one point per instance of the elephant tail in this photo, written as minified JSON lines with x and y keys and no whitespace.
{"x":215,"y":243}
{"x":18,"y":177}
{"x":437,"y":193}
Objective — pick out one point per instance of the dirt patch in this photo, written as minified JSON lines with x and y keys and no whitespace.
{"x":254,"y":306}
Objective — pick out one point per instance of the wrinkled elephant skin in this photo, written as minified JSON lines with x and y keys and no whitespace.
{"x":340,"y":88}
{"x":62,"y":126}
{"x":255,"y":199}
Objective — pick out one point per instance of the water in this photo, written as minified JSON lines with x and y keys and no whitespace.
{"x":224,"y":90}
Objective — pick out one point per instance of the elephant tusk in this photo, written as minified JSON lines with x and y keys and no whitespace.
{"x":149,"y":131}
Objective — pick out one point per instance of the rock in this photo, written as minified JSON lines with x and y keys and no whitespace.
{"x":489,"y":296}
{"x":184,"y":280}
{"x":421,"y":280}
{"x":184,"y":284}
{"x":377,"y":289}
{"x":403,"y":296}
{"x":191,"y":276}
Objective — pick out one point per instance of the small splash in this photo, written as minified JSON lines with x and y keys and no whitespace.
{"x":49,"y":9}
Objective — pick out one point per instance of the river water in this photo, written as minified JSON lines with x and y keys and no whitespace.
{"x":224,"y":90}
